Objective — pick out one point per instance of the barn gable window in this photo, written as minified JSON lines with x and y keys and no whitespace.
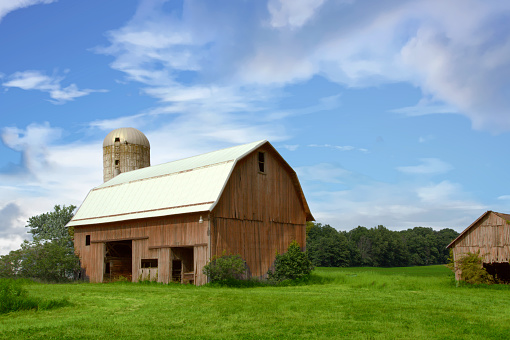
{"x":262,"y":162}
{"x":87,"y":240}
{"x":117,"y":139}
{"x":149,"y":263}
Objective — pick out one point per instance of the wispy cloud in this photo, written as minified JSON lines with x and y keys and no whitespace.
{"x":37,"y":80}
{"x":293,"y":14}
{"x":427,"y":166}
{"x":291,"y":147}
{"x":46,"y":175}
{"x":459,"y":68}
{"x":338,"y":147}
{"x":7,"y":6}
{"x":396,"y":205}
{"x":324,"y":172}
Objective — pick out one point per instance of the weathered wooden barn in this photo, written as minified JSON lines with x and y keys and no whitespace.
{"x":165,"y":222}
{"x":489,"y":234}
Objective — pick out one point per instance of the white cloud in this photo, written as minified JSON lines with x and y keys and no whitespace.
{"x":428,"y":166}
{"x":323,"y":172}
{"x":36,"y":80}
{"x":398,"y":205}
{"x":291,"y":147}
{"x":504,"y":197}
{"x":457,"y":52}
{"x":7,"y":6}
{"x":338,"y":147}
{"x":32,"y":143}
{"x":49,"y":174}
{"x":292,"y":13}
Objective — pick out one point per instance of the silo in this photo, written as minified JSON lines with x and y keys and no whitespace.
{"x":124,"y":149}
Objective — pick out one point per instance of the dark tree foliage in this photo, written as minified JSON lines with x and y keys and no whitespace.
{"x":327,"y":247}
{"x":50,"y":256}
{"x":292,"y":265}
{"x":377,"y":247}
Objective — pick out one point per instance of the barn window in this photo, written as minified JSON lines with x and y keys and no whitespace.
{"x":87,"y":240}
{"x":262,"y":167}
{"x":117,"y":162}
{"x":117,"y":139}
{"x":149,"y":263}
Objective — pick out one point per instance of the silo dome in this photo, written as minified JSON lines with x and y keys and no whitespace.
{"x":124,"y":149}
{"x":126,"y":134}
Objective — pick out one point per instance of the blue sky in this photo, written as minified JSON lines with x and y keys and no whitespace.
{"x":391,"y":112}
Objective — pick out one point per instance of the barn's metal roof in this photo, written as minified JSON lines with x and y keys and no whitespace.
{"x":188,"y":185}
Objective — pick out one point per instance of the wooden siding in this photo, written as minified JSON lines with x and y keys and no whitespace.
{"x":149,"y":238}
{"x":258,"y":214}
{"x":270,"y":196}
{"x":490,"y":235}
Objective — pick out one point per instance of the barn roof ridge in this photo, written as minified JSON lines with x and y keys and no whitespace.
{"x":183,"y":164}
{"x":502,"y":215}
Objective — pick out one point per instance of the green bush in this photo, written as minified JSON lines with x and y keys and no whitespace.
{"x":14,"y":297}
{"x":226,"y":267}
{"x":471,"y":266}
{"x":292,"y":265}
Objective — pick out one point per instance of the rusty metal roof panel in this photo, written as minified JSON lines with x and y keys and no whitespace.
{"x":189,"y":185}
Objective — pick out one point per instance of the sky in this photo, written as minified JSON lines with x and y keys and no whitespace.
{"x":392,"y":113}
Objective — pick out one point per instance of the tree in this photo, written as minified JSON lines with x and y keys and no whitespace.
{"x":294,"y":264}
{"x":327,"y":247}
{"x":50,"y":256}
{"x":52,"y":225}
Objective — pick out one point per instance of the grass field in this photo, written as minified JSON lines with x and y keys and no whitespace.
{"x":359,"y":303}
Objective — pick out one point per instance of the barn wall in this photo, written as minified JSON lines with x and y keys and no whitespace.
{"x":490,"y":236}
{"x":258,"y":214}
{"x":151,"y":239}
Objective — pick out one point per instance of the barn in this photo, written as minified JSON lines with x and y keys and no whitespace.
{"x":165,"y":222}
{"x":489,"y":234}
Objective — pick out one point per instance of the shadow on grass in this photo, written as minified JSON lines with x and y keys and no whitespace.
{"x":312,"y":279}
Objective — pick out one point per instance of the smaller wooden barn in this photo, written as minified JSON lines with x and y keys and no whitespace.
{"x":489,"y":234}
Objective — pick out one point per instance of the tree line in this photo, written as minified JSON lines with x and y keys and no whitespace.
{"x":377,"y":247}
{"x":50,"y":255}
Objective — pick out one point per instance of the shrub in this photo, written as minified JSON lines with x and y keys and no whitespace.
{"x":472,"y":269}
{"x":292,"y":265}
{"x":226,"y":267}
{"x":14,"y":297}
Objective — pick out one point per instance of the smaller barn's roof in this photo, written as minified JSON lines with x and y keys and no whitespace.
{"x":188,"y":185}
{"x":506,"y":217}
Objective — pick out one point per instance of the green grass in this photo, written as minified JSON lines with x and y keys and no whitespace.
{"x":354,"y":303}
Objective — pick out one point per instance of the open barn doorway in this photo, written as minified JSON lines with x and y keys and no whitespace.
{"x":501,"y":271}
{"x":118,"y":261}
{"x":183,"y":265}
